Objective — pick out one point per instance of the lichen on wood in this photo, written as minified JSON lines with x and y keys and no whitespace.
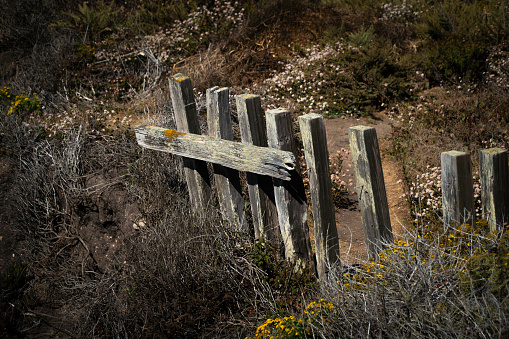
{"x":171,"y":134}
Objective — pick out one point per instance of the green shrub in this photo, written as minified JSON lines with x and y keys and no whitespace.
{"x":454,"y":59}
{"x":363,"y":37}
{"x":488,"y":268}
{"x":344,"y":79}
{"x":162,"y":13}
{"x":85,"y":53}
{"x":362,"y":6}
{"x":91,"y":21}
{"x":315,"y":316}
{"x":457,"y":45}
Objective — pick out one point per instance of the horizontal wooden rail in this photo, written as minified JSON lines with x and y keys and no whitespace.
{"x":242,"y":157}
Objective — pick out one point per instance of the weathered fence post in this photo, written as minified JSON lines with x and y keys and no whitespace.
{"x":312,"y":128}
{"x":226,"y":180}
{"x":494,"y":187}
{"x":370,"y":188}
{"x":457,"y":188}
{"x":261,"y":189}
{"x":184,"y":107}
{"x":290,"y":196}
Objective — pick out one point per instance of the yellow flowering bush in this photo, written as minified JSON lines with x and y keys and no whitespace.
{"x":421,"y":273}
{"x":20,"y":103}
{"x":469,"y":259}
{"x":315,"y":316}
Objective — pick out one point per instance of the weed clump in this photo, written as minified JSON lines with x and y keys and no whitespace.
{"x":13,"y":298}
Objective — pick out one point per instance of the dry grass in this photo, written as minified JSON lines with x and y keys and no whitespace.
{"x":176,"y":274}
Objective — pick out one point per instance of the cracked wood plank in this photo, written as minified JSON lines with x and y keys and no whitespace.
{"x":242,"y":157}
{"x":186,"y":117}
{"x":495,"y":187}
{"x":226,"y":180}
{"x":314,"y":138}
{"x":260,"y":187}
{"x":370,"y":185}
{"x":290,"y":195}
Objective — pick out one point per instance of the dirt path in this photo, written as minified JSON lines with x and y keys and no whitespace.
{"x":348,"y":221}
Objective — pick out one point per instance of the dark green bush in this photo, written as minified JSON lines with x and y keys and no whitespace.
{"x":489,"y":269}
{"x":91,"y":22}
{"x":24,"y":23}
{"x":459,"y":35}
{"x":454,"y":59}
{"x":377,"y":76}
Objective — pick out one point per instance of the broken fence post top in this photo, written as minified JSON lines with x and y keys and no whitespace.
{"x":310,"y":116}
{"x":180,"y":77}
{"x":277,"y":110}
{"x":247,"y":96}
{"x":361,"y":128}
{"x":455,"y":153}
{"x":494,"y":150}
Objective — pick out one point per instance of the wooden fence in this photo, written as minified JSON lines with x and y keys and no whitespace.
{"x":277,"y":196}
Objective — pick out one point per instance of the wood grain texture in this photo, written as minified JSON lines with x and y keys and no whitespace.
{"x":260,"y":187}
{"x":314,"y":138}
{"x":290,"y":196}
{"x":370,"y":188}
{"x":249,"y":158}
{"x":226,"y":180}
{"x":186,"y":117}
{"x":495,"y":187}
{"x":457,"y":188}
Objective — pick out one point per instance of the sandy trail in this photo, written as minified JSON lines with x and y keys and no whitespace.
{"x":348,"y":221}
